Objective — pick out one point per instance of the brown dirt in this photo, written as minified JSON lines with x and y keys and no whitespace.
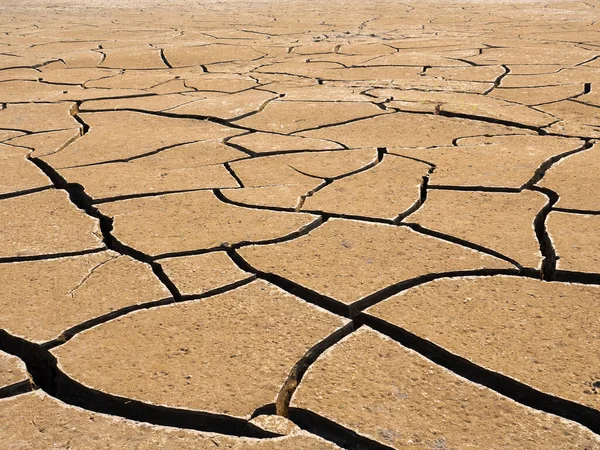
{"x":299,"y":225}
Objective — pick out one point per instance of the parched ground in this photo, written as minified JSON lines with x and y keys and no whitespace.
{"x":299,"y":225}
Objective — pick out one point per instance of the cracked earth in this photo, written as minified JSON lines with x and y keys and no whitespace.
{"x":300,"y":225}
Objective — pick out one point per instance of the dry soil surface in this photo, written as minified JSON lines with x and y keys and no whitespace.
{"x":295,"y":225}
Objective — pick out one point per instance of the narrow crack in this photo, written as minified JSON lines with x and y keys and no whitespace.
{"x":233,"y":174}
{"x":474,"y":188}
{"x":213,"y":119}
{"x":116,"y":198}
{"x":135,"y":157}
{"x":24,"y":191}
{"x":71,"y":332}
{"x":546,"y":165}
{"x":24,"y":258}
{"x":548,"y":267}
{"x":164,"y":59}
{"x":89,"y":274}
{"x":498,"y":80}
{"x":294,"y":378}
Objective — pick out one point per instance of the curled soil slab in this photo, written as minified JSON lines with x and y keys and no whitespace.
{"x":125,"y":134}
{"x":17,"y":174}
{"x":186,"y":356}
{"x":288,"y":117}
{"x":577,"y":251}
{"x":523,"y":328}
{"x":350,"y":260}
{"x":37,"y":421}
{"x":406,"y":130}
{"x":500,"y":221}
{"x":386,"y":190}
{"x":59,"y":295}
{"x":199,"y":274}
{"x":12,"y":373}
{"x":202,"y":223}
{"x":491,"y":162}
{"x":34,"y":118}
{"x":42,"y":144}
{"x":358,"y":385}
{"x":45,"y":223}
{"x":155,"y":174}
{"x":575,"y":180}
{"x":267,"y":142}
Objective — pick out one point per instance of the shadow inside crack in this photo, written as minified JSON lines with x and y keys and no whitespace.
{"x":502,"y":384}
{"x":43,"y":368}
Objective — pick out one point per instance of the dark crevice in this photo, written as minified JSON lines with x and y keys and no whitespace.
{"x":508,"y":123}
{"x":475,"y":188}
{"x":267,"y":410}
{"x":228,"y":143}
{"x":594,"y":58}
{"x":547,"y":250}
{"x":17,"y":389}
{"x":221,"y":196}
{"x":292,"y":382}
{"x":498,"y":80}
{"x":332,"y":431}
{"x":385,"y":293}
{"x":569,"y":276}
{"x":455,"y":141}
{"x":502,"y":384}
{"x":295,"y":151}
{"x":24,"y":191}
{"x":291,"y":287}
{"x":164,"y":59}
{"x":233,"y":174}
{"x":42,"y":366}
{"x":25,"y":258}
{"x":457,"y":115}
{"x":260,"y":108}
{"x":327,"y":181}
{"x":576,"y":211}
{"x":422,"y":194}
{"x":75,"y":113}
{"x":546,"y":165}
{"x":328,"y":215}
{"x":318,"y":221}
{"x":462,"y":242}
